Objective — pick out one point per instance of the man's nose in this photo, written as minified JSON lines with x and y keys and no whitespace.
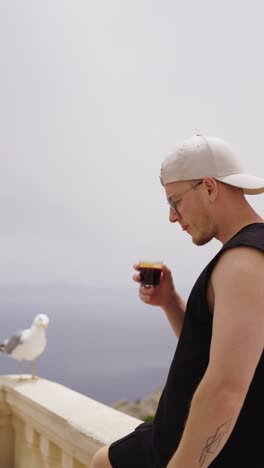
{"x":174,"y":216}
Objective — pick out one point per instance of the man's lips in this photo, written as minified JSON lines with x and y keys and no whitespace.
{"x":184,"y":228}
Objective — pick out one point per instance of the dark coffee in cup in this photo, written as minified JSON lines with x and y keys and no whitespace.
{"x":150,"y":273}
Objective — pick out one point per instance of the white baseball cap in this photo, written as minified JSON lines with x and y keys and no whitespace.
{"x":203,"y":156}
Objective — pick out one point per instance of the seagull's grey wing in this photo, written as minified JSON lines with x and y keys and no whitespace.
{"x":13,"y":342}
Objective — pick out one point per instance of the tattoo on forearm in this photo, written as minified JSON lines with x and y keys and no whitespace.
{"x":213,"y":442}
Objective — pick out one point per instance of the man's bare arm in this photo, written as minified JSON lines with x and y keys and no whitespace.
{"x":175,"y":312}
{"x":236,"y":347}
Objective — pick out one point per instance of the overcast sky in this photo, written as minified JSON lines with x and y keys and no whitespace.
{"x":94,"y":94}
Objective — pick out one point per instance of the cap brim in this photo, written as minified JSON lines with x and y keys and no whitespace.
{"x":250,"y":185}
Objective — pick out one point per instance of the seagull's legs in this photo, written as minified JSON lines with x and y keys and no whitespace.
{"x":20,"y":371}
{"x":33,"y":370}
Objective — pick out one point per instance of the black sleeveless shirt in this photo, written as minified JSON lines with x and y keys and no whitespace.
{"x":244,"y":447}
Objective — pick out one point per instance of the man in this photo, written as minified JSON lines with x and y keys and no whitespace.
{"x":211,"y":410}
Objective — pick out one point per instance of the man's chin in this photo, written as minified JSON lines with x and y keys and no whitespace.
{"x":199,"y":240}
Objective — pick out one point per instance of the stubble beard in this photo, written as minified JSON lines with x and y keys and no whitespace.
{"x":202,"y":240}
{"x":204,"y":235}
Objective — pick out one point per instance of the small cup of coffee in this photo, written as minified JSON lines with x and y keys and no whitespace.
{"x":150,"y":273}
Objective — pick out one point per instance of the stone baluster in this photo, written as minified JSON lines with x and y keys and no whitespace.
{"x":33,"y":444}
{"x":6,"y":435}
{"x":51,"y":454}
{"x":67,"y":461}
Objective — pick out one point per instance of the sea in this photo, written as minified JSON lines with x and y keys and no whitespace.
{"x":102,"y":342}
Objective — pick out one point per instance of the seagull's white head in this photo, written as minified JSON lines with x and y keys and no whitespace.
{"x":41,"y":321}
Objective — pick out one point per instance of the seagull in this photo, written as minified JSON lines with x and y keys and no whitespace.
{"x":28,"y":344}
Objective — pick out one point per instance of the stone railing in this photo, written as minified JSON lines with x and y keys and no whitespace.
{"x":46,"y":425}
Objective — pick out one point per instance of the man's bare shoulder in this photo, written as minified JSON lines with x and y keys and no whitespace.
{"x":238,"y":263}
{"x":238,"y":323}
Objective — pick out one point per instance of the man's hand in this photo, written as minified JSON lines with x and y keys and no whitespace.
{"x":164,"y":296}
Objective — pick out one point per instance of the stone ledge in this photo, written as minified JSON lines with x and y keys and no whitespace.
{"x":77,"y":424}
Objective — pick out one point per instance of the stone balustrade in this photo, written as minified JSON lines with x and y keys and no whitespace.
{"x":46,"y":425}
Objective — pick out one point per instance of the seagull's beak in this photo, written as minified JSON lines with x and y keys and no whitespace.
{"x":44,"y":325}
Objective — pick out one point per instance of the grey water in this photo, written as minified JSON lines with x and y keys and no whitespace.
{"x":105,"y":344}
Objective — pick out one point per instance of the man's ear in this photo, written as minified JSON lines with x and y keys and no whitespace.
{"x":211,"y":187}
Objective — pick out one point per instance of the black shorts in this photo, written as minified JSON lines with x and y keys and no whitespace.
{"x":134,"y":450}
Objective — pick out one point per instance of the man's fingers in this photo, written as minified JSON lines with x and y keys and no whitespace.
{"x":165,"y":269}
{"x":137,"y":278}
{"x":146,"y":292}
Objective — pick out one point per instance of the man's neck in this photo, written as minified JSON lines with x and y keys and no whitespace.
{"x":233,"y":224}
